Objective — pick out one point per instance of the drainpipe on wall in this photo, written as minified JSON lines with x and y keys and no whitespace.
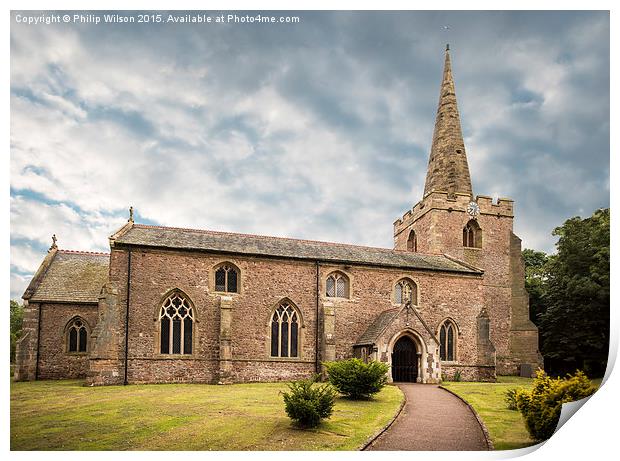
{"x":317,"y":365}
{"x":125,"y":382}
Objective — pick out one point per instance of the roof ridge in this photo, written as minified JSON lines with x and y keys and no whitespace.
{"x":84,"y":252}
{"x":322,"y":242}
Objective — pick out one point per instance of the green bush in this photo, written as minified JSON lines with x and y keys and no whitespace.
{"x":356,"y":379}
{"x":542,"y":405}
{"x":457,"y":376}
{"x":307,"y":403}
{"x":511,"y":398}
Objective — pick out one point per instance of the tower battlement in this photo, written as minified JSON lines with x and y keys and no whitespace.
{"x":503,"y":206}
{"x":458,"y":202}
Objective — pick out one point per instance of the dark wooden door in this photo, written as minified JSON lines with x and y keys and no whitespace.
{"x":405,"y":361}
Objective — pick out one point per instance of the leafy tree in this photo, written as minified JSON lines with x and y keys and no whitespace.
{"x":575,"y":325}
{"x":536,"y":277}
{"x":17,"y":318}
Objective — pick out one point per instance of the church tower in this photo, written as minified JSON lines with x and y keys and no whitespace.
{"x":450,"y":220}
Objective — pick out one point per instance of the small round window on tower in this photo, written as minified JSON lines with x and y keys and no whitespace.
{"x":459,"y":151}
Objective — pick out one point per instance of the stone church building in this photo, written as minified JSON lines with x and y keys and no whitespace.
{"x":186,"y":305}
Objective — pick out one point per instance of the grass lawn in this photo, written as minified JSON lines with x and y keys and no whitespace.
{"x":506,"y":427}
{"x":65,"y":415}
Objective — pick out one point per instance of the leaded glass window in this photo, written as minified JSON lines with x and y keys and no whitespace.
{"x":406,"y":291}
{"x":447,"y":341}
{"x":77,"y":336}
{"x":330,"y":287}
{"x":226,"y":279}
{"x":176,"y":318}
{"x":82,"y":340}
{"x":337,"y":286}
{"x":285,"y":331}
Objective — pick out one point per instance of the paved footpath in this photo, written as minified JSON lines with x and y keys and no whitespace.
{"x":432,"y":419}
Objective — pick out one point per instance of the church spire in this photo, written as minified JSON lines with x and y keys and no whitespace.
{"x":447,"y":166}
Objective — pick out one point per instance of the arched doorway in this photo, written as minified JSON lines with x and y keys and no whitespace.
{"x":405,"y":360}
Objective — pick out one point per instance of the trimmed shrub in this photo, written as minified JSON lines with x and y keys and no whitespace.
{"x":307,"y":403}
{"x":356,"y":379}
{"x":542,"y":405}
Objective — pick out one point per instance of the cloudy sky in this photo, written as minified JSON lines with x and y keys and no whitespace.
{"x":319,"y":129}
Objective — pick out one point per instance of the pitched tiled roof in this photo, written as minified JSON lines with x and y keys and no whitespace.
{"x":224,"y":242}
{"x":72,"y":276}
{"x":376,"y":328}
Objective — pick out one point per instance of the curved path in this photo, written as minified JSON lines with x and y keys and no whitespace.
{"x":432,"y":419}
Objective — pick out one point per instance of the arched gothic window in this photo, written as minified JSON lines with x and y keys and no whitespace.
{"x":412,"y":242}
{"x":406,"y":290}
{"x":447,"y":341}
{"x":176,"y":318}
{"x":472,"y":235}
{"x":77,"y":336}
{"x":285,"y":331}
{"x":227,"y":279}
{"x":337,"y":285}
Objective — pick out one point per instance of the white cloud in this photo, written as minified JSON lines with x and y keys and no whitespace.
{"x":19,"y":283}
{"x":36,"y":221}
{"x":196,"y":129}
{"x":24,"y":258}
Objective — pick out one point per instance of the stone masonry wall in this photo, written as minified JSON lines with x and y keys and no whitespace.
{"x":264,"y":283}
{"x":54,"y":360}
{"x":107,"y":358}
{"x":26,"y":350}
{"x":153,"y":276}
{"x":440,"y":296}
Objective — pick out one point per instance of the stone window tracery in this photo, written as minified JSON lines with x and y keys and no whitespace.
{"x":472,"y":235}
{"x":77,"y":336}
{"x":447,"y":341}
{"x":176,"y":318}
{"x":285,"y":331}
{"x":337,"y":285}
{"x":405,"y":291}
{"x":227,"y":279}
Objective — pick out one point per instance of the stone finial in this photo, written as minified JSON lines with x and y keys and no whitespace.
{"x":53,"y":246}
{"x":130,"y":214}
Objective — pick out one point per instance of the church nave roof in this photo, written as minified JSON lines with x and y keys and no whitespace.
{"x":259,"y":245}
